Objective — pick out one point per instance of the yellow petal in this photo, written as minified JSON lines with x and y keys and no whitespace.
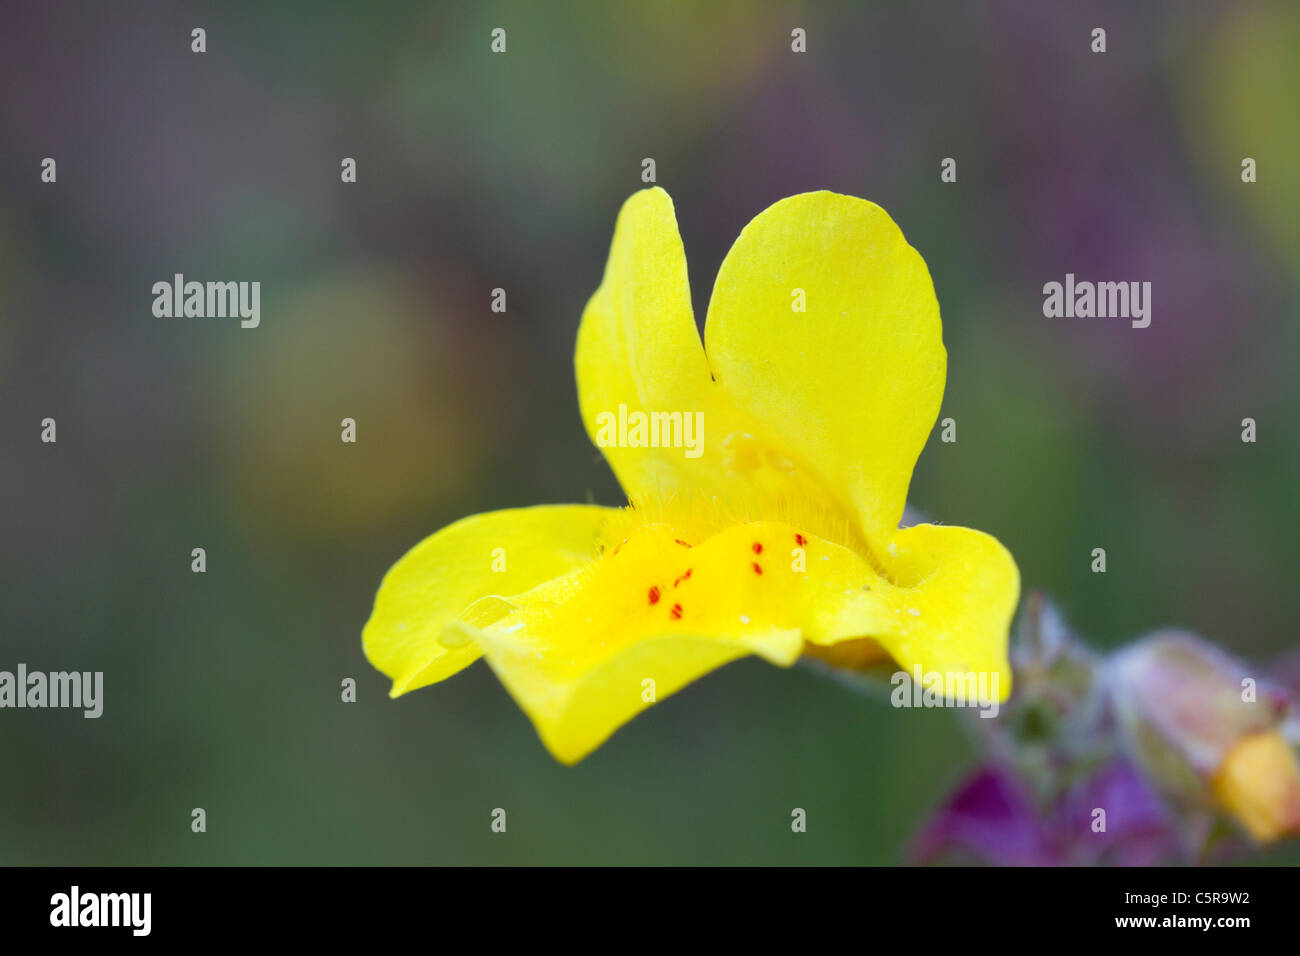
{"x":851,"y":387}
{"x":584,"y":654}
{"x":638,"y":345}
{"x":421,"y":628}
{"x":953,"y":591}
{"x":638,"y":348}
{"x":1259,"y":784}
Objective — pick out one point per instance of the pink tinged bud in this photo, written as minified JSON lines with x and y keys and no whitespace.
{"x":1196,"y":720}
{"x":1191,"y":696}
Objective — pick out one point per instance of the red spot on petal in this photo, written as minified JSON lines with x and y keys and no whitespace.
{"x":757,"y":569}
{"x":758,"y":547}
{"x":620,"y":546}
{"x":681,"y":542}
{"x":800,"y":539}
{"x":677,"y":612}
{"x":654,"y":595}
{"x":682,"y":577}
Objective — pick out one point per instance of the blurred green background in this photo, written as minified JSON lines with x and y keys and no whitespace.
{"x":479,"y":171}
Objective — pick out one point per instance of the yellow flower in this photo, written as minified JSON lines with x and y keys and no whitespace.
{"x":779,"y":531}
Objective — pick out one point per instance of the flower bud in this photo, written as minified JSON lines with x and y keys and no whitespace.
{"x":1209,"y":738}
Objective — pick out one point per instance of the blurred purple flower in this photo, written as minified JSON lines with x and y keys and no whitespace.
{"x":993,"y":819}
